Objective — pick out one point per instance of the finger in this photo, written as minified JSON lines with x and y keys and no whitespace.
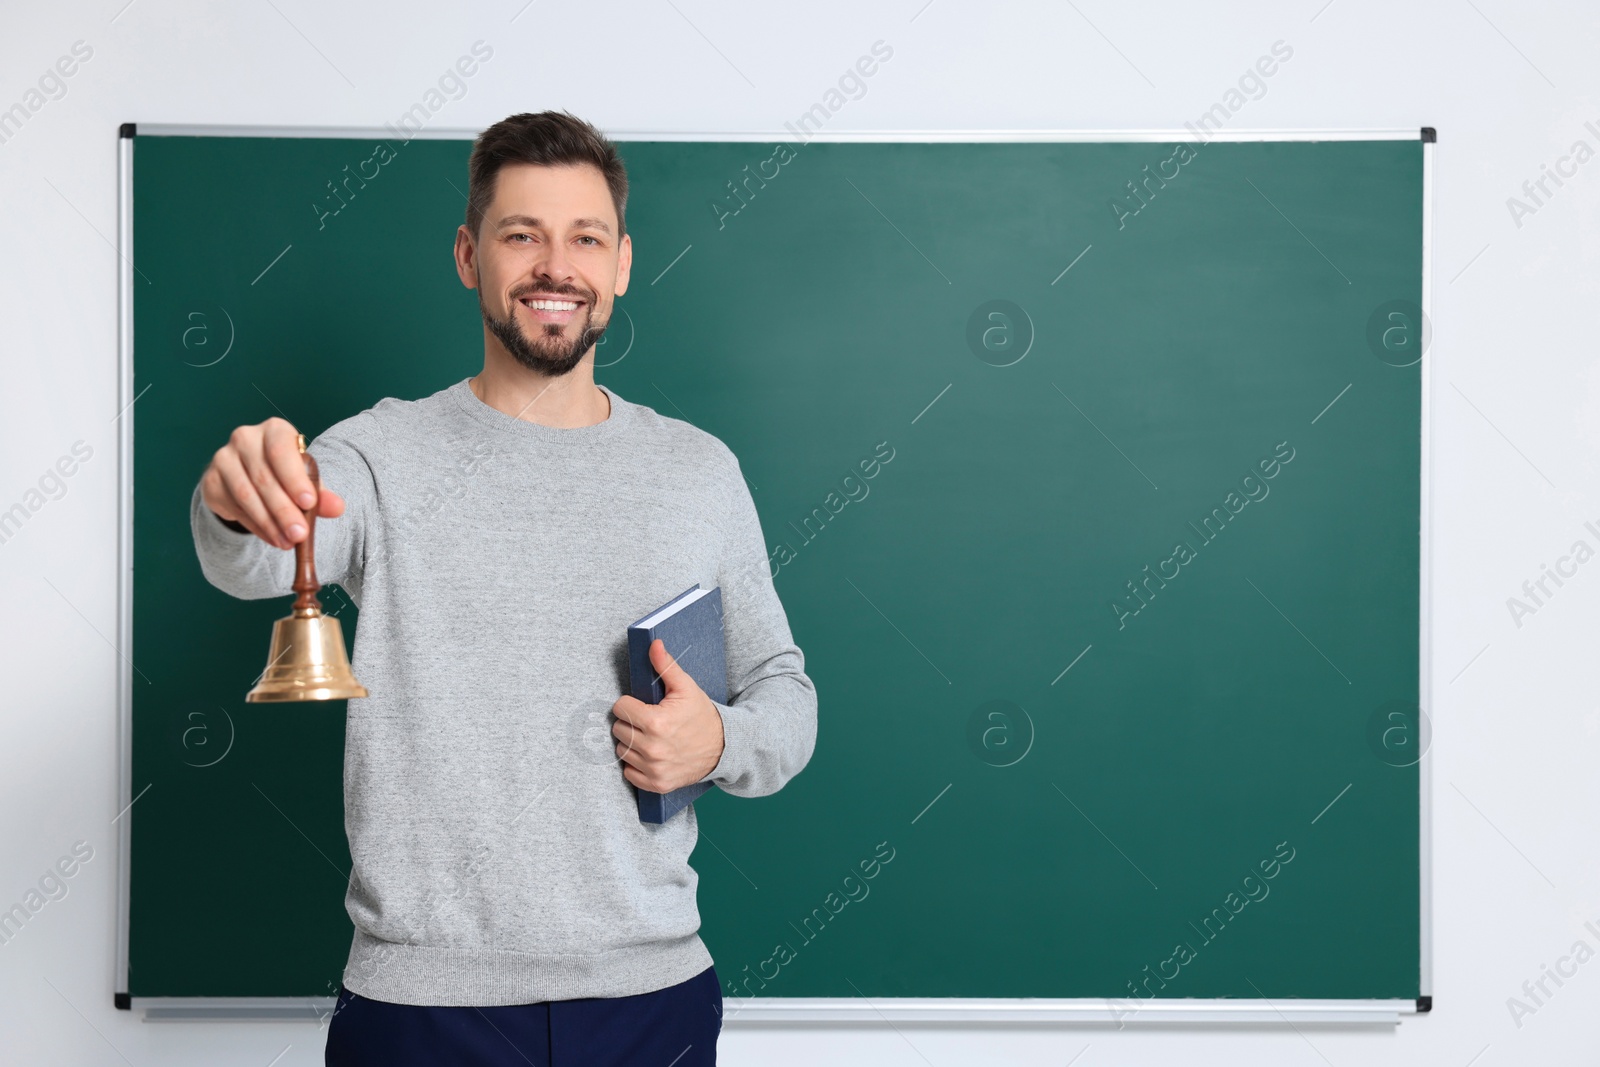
{"x":639,"y":747}
{"x":643,"y":781}
{"x":632,"y":757}
{"x":213,"y":496}
{"x":214,"y":493}
{"x":632,"y":710}
{"x":626,"y":734}
{"x":243,"y":499}
{"x":281,"y":443}
{"x":280,"y":474}
{"x":267,"y":537}
{"x":330,"y":505}
{"x":673,"y":676}
{"x":259,"y":464}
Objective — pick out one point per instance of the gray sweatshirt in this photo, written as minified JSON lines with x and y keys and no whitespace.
{"x":497,"y":848}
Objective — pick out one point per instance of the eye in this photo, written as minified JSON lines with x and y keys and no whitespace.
{"x":529,"y":236}
{"x":586,"y":237}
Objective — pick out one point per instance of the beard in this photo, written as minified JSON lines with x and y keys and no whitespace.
{"x":548,"y":353}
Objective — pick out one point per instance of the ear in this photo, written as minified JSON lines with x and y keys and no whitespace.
{"x":624,"y":264}
{"x":466,"y":256}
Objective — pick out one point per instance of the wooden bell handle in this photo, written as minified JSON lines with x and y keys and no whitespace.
{"x":306,"y":604}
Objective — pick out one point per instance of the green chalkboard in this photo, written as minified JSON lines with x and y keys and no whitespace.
{"x":1069,"y":750}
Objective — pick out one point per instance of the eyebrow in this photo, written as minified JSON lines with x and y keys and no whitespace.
{"x":528,"y":220}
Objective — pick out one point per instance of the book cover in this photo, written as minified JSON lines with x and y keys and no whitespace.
{"x":690,"y":626}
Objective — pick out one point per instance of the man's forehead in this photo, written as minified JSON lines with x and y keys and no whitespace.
{"x":527,"y":189}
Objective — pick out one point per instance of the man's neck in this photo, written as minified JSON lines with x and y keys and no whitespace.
{"x":567,"y":402}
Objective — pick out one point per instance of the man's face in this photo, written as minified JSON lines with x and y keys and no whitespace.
{"x":546,"y":263}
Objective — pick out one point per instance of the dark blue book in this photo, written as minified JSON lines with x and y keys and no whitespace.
{"x":690,"y":626}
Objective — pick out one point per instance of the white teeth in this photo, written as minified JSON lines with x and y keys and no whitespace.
{"x":552,"y":305}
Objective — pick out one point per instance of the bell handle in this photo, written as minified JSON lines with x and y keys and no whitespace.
{"x":306,"y":604}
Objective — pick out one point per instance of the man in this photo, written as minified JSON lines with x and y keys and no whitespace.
{"x":498,"y":537}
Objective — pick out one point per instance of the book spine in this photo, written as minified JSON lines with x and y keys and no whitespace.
{"x":642,"y":683}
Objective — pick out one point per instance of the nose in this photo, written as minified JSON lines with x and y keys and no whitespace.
{"x":550,"y":264}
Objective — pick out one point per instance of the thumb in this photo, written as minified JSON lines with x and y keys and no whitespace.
{"x":330,"y":505}
{"x":674,"y":677}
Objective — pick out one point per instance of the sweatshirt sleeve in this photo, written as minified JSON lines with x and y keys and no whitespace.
{"x":769,"y":725}
{"x":244,"y":566}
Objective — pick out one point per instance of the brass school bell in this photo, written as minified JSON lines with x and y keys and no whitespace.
{"x":308,"y":660}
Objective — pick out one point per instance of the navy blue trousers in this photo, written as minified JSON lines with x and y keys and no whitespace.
{"x":673,"y":1027}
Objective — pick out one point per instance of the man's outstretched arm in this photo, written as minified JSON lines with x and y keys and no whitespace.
{"x":257,"y":483}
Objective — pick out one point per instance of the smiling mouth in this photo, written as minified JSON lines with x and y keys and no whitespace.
{"x":555,"y":310}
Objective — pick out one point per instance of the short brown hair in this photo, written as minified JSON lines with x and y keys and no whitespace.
{"x":548,"y":138}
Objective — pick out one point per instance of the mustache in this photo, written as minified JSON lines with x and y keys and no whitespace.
{"x":557,"y":290}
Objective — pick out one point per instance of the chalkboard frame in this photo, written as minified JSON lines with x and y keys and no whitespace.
{"x":778,"y":1009}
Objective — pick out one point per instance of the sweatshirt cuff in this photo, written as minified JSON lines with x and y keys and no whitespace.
{"x":736,"y":744}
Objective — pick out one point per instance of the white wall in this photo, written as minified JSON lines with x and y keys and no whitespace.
{"x":1516,"y":406}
